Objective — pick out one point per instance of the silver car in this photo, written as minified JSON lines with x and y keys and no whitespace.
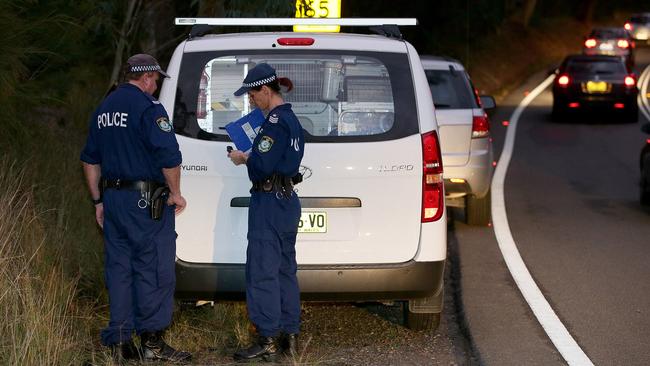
{"x":639,"y":27}
{"x":465,"y":140}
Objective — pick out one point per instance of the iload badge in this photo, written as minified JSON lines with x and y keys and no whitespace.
{"x":163,"y":124}
{"x":265,"y":144}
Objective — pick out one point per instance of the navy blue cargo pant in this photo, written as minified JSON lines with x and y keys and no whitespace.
{"x":139,"y":266}
{"x":272,"y":293}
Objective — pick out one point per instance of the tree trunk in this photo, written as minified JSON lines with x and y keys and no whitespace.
{"x":527,"y":12}
{"x":586,"y":10}
{"x":122,"y":40}
{"x":211,"y":8}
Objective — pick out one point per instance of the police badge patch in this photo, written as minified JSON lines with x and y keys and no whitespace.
{"x":163,"y":124}
{"x":274,"y":118}
{"x":265,"y":144}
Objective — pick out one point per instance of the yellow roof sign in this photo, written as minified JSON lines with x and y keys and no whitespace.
{"x":317,"y":9}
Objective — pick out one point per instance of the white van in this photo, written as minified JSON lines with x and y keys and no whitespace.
{"x":374,"y":222}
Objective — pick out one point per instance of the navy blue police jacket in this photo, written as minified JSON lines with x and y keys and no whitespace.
{"x":131,"y":137}
{"x":278,"y":147}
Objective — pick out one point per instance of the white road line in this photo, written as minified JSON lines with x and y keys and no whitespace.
{"x":554,"y":328}
{"x":642,"y":100}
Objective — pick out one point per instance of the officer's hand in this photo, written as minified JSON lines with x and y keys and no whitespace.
{"x":99,"y":214}
{"x":178,"y":200}
{"x":238,"y":157}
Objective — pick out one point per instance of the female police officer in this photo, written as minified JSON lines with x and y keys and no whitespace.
{"x":272,"y":293}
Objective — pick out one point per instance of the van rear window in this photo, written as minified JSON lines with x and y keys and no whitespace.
{"x":337,"y":97}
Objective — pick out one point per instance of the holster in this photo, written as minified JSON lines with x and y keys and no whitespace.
{"x":157,"y":202}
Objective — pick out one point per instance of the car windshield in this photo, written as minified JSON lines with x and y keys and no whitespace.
{"x":595,"y":67}
{"x":450,"y":89}
{"x":608,"y":33}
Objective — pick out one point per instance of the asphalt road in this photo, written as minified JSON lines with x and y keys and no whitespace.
{"x":572,"y":200}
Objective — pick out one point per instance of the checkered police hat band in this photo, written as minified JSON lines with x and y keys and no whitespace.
{"x":259,"y":82}
{"x":145,"y":68}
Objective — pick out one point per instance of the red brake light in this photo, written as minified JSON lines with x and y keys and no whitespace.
{"x":433,"y":196}
{"x":296,"y":41}
{"x":590,"y":43}
{"x":563,"y":80}
{"x":480,"y":126}
{"x":628,"y":26}
{"x":623,"y":43}
{"x":629,"y":81}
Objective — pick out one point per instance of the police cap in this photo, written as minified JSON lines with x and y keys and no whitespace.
{"x":259,"y":75}
{"x":144,"y":63}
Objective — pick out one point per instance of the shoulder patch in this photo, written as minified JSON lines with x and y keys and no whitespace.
{"x":155,"y":101}
{"x":265,"y":144}
{"x":164,"y":124}
{"x":274,"y":118}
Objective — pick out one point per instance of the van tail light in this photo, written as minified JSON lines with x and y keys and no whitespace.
{"x":563,"y":81}
{"x":480,"y":126}
{"x":295,"y":41}
{"x":590,"y":43}
{"x":628,"y":26}
{"x":629,"y":81}
{"x":623,"y":43}
{"x":433,"y":195}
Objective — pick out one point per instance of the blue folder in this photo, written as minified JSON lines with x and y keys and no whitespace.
{"x":243,"y":131}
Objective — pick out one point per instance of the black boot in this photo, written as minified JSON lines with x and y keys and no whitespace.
{"x":289,"y":344}
{"x":264,"y":349}
{"x":155,"y":348}
{"x":123,"y":352}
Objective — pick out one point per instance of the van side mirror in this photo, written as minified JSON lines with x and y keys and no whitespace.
{"x":488,"y":102}
{"x":646,"y":128}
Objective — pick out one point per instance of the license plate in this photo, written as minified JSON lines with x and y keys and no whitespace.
{"x":313,"y":222}
{"x":596,"y":87}
{"x":606,"y":46}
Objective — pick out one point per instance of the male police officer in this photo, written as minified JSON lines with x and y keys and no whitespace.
{"x":131,"y":159}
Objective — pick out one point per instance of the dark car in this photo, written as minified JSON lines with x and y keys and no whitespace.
{"x":589,"y":82}
{"x":610,"y":41}
{"x":645,"y":168}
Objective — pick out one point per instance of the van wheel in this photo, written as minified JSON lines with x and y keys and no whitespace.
{"x":631,"y":114}
{"x":421,"y":321}
{"x":477,"y":210}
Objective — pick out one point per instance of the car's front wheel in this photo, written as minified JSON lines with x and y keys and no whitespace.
{"x":477,"y":210}
{"x":645,"y":186}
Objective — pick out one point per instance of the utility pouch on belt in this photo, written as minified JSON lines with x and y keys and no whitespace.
{"x":157,"y":203}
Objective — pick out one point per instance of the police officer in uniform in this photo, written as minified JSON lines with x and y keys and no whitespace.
{"x":132,"y":164}
{"x":272,"y":293}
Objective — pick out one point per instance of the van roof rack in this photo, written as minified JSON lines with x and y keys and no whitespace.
{"x":388,"y":27}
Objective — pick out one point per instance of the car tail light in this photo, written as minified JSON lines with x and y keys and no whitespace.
{"x":623,"y":43}
{"x":629,"y":81}
{"x":574,"y":105}
{"x":480,"y":126}
{"x":563,"y":80}
{"x":619,"y":105}
{"x":296,"y":41}
{"x":433,"y":197}
{"x":628,"y":26}
{"x":590,"y":43}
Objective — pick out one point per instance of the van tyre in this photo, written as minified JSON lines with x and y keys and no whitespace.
{"x":558,"y":113}
{"x":477,"y":210}
{"x":421,"y":321}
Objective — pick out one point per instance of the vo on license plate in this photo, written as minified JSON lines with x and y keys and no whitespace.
{"x":596,"y":87}
{"x":313,"y":222}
